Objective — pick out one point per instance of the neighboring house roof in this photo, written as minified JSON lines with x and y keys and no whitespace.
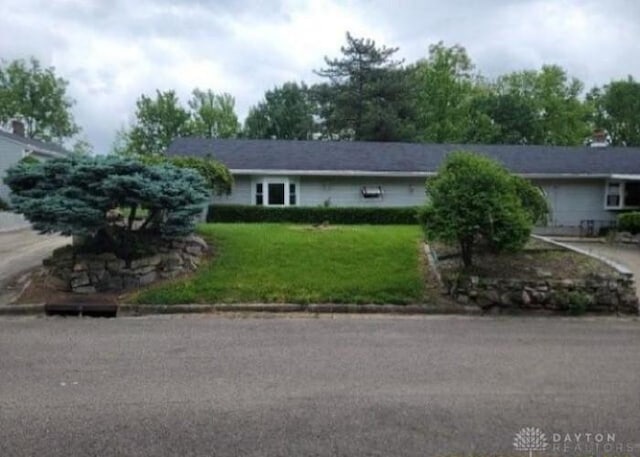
{"x":370,"y":158}
{"x":47,"y":148}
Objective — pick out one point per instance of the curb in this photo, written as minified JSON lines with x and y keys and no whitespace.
{"x":328,"y":308}
{"x":22,"y":310}
{"x":139,"y":310}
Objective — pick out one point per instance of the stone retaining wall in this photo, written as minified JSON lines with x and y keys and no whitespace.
{"x":89,"y":273}
{"x":597,"y":293}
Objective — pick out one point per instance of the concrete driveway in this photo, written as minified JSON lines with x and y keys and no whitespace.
{"x":22,"y":250}
{"x":624,"y":254}
{"x":347,"y":386}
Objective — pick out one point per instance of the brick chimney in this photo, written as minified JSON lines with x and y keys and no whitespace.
{"x":17,"y":127}
{"x":599,"y":139}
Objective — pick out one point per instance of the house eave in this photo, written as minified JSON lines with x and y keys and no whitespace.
{"x":403,"y":174}
{"x":34,"y":149}
{"x":44,"y":152}
{"x":392,"y":174}
{"x":565,"y":175}
{"x":625,"y":177}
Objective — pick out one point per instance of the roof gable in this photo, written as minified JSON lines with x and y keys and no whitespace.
{"x":40,"y":146}
{"x":357,"y":156}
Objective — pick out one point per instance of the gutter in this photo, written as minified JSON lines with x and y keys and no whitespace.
{"x":402,"y":174}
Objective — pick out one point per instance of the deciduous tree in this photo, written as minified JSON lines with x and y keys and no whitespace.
{"x":39,"y":98}
{"x":286,"y":113}
{"x":158,"y":121}
{"x":213,"y":115}
{"x":561,"y":116}
{"x":617,"y":109}
{"x":445,"y":90}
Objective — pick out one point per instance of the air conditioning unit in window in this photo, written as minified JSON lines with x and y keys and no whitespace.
{"x":372,"y":192}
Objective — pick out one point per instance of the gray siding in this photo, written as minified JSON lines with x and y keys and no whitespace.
{"x":346,"y":191}
{"x":573,"y":201}
{"x":337,"y":191}
{"x":240,"y":192}
{"x":10,"y":154}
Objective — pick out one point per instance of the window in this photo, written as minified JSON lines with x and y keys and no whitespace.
{"x":631,"y":193}
{"x":276,"y":193}
{"x":259,"y":194}
{"x":622,"y":194}
{"x":612,"y":196}
{"x":292,"y":194}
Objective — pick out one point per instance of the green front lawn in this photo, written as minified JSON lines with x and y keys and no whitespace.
{"x":302,"y":264}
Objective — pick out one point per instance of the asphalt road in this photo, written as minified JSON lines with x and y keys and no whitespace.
{"x":345,"y":386}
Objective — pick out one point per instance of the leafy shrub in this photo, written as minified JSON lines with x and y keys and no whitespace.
{"x":532,"y":200}
{"x":475,"y":199}
{"x":87,"y":196}
{"x":578,"y":303}
{"x":574,"y":302}
{"x":312,"y":215}
{"x":629,"y":222}
{"x":29,"y":160}
{"x":216,"y":175}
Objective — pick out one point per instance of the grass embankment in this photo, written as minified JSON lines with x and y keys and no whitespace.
{"x":284,"y":263}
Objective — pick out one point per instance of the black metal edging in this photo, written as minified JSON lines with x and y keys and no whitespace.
{"x":81,"y":309}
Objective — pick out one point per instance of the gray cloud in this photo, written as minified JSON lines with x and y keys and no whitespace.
{"x":112,"y":51}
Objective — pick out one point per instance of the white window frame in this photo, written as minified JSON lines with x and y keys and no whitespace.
{"x":620,"y":194}
{"x":265,"y":181}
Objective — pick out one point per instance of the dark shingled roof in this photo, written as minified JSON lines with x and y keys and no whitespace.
{"x":241,"y":155}
{"x":35,"y":144}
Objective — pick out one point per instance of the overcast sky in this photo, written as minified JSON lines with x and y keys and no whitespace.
{"x":111,"y":51}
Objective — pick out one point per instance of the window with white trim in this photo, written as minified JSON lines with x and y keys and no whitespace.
{"x":275,"y":191}
{"x":292,"y":194}
{"x":259,"y":197}
{"x":613,"y":195}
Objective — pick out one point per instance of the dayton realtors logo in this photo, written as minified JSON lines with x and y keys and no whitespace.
{"x":532,"y":439}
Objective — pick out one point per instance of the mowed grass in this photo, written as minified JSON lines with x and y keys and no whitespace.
{"x":285,"y":263}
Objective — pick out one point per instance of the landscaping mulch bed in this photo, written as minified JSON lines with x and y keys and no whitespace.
{"x":538,"y":260}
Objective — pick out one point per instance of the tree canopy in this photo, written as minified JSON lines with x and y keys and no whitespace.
{"x":559,"y":115}
{"x":616,"y":108}
{"x":158,"y":121}
{"x":161,"y":119}
{"x":286,"y":113}
{"x":367,"y":94}
{"x":38,"y":97}
{"x":445,"y":88}
{"x":213,"y":115}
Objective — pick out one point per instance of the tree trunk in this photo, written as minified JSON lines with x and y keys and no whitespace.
{"x":466,"y":250}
